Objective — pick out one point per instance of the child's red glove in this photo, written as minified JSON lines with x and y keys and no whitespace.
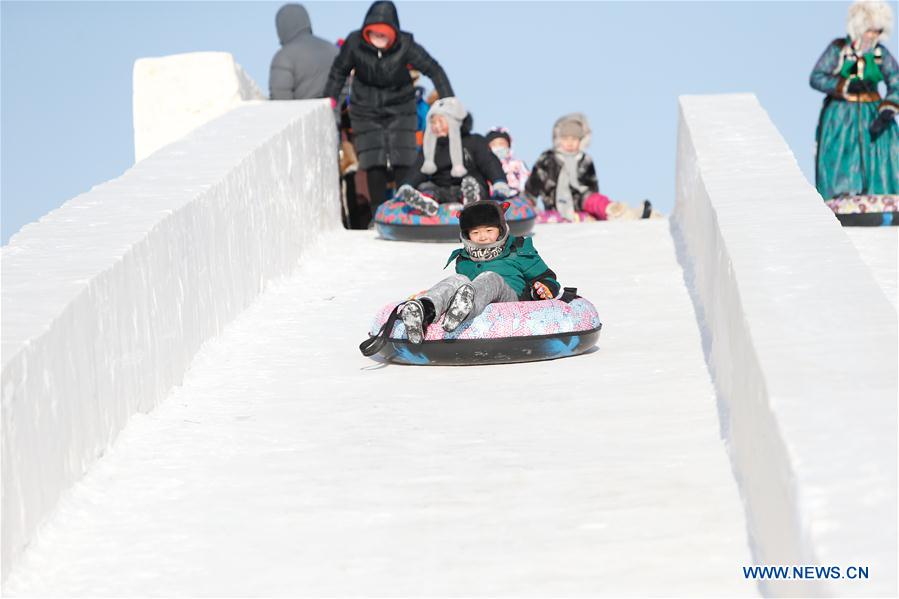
{"x":542,"y":291}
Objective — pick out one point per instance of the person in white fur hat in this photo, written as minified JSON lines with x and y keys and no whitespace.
{"x":857,"y":136}
{"x":454,"y":164}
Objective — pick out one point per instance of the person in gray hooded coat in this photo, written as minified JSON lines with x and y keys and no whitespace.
{"x":300,"y":68}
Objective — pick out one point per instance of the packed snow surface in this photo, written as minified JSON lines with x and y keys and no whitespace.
{"x":288,"y":464}
{"x":285,"y":463}
{"x":878,"y":247}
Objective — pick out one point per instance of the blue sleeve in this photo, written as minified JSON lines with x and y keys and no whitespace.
{"x":890,"y":71}
{"x":824,"y":77}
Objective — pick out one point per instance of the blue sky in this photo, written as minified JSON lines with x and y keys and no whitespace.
{"x":66,"y":76}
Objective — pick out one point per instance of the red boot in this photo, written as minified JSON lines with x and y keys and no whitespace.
{"x":595,"y":205}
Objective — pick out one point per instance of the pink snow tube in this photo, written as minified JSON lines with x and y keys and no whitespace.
{"x":504,"y":332}
{"x":594,"y":206}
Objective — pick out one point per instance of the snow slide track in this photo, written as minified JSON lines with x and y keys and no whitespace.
{"x":285,"y":463}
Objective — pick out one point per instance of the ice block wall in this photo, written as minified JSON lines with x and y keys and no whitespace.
{"x":173,"y":95}
{"x":801,"y":343}
{"x":107,"y":299}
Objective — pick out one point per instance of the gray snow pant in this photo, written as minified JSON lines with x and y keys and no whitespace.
{"x":489,"y":287}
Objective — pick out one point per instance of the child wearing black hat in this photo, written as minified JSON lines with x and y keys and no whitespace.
{"x":517,"y":172}
{"x":492,"y":266}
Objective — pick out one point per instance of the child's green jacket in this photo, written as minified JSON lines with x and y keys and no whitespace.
{"x":519,"y":265}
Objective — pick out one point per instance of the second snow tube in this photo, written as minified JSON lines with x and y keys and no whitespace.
{"x":553,"y":217}
{"x":503,"y":333}
{"x":581,"y":216}
{"x":866,"y":210}
{"x":396,"y":221}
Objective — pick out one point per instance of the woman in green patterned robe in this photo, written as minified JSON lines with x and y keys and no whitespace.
{"x":858,"y":139}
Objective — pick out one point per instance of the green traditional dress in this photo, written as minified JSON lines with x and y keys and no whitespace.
{"x":848,"y":162}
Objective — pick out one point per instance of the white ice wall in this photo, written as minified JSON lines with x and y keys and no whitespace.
{"x":173,"y":95}
{"x":107,"y":299}
{"x":802,"y":345}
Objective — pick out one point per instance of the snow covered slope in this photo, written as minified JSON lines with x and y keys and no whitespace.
{"x":107,"y":299}
{"x":284,"y":463}
{"x":173,"y":95}
{"x":878,"y":248}
{"x":802,"y":345}
{"x":287,"y":464}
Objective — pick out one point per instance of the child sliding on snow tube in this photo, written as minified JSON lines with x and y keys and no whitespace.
{"x":565,"y":179}
{"x":492,"y":266}
{"x":453,"y":165}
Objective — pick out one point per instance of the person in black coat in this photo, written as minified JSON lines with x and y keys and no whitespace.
{"x":382,"y":95}
{"x":454,"y":165}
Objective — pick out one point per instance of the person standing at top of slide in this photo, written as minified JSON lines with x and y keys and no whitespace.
{"x":857,"y":137}
{"x":382,"y":96}
{"x":300,"y":68}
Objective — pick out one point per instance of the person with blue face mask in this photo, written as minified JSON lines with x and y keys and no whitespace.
{"x":516,"y":170}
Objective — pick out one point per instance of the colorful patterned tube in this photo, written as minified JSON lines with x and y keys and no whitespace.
{"x":503,"y":333}
{"x":396,"y":221}
{"x":866,"y":210}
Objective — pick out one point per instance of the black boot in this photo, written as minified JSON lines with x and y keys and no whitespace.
{"x":417,"y":315}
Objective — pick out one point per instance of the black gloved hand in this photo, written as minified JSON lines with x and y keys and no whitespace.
{"x":860,"y":86}
{"x":881,"y":123}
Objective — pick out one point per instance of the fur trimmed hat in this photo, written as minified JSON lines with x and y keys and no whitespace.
{"x":484,"y":213}
{"x":869,"y":14}
{"x":574,"y":125}
{"x":450,"y":108}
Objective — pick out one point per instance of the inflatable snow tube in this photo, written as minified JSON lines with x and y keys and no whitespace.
{"x":610,"y":210}
{"x":396,"y":221}
{"x":866,"y":210}
{"x":553,"y":217}
{"x":504,"y":333}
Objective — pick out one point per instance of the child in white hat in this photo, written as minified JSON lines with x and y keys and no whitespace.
{"x":454,"y":164}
